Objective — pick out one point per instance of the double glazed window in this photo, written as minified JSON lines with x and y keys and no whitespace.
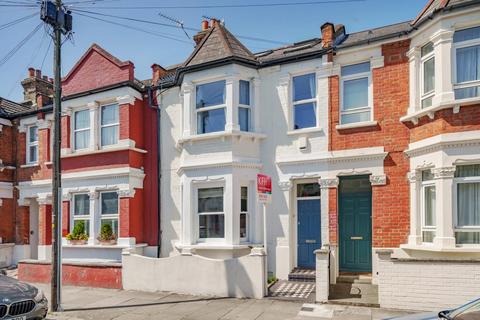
{"x":109,"y":125}
{"x":244,"y":213}
{"x":304,"y":101}
{"x":211,"y":217}
{"x":32,"y":145}
{"x":244,"y":113}
{"x":428,"y":206}
{"x":109,"y":210}
{"x":81,"y":211}
{"x":467,"y":56}
{"x":210,"y":107}
{"x":428,"y":75}
{"x":81,"y":129}
{"x":355,"y":93}
{"x":467,"y":181}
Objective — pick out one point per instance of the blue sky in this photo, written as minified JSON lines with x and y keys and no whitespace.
{"x":285,"y":24}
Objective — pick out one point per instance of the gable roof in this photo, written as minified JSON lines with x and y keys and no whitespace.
{"x":434,"y":6}
{"x":8,"y":108}
{"x":218,"y":44}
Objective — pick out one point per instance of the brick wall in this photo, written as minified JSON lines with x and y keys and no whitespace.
{"x":7,"y":221}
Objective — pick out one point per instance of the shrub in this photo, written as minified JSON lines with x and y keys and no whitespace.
{"x":78,"y":232}
{"x":106,"y":234}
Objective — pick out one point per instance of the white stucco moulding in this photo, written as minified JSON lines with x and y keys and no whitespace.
{"x":285,"y":185}
{"x":378,"y":180}
{"x":127,"y":99}
{"x":442,"y":141}
{"x":328,"y":183}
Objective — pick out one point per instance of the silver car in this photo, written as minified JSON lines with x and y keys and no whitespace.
{"x":21,"y":301}
{"x":469,"y":311}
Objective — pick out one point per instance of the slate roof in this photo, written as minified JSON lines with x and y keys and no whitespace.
{"x":436,"y":5}
{"x":358,"y":38}
{"x":8,"y":107}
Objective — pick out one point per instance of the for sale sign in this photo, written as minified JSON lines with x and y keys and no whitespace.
{"x":264,"y":188}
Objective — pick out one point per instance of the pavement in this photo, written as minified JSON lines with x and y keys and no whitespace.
{"x":93,"y":303}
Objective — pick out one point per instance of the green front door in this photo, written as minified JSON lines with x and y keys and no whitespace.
{"x":355,"y":224}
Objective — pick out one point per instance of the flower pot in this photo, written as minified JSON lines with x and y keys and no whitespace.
{"x":107,"y":242}
{"x":77,"y":242}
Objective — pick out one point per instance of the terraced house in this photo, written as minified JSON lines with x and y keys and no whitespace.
{"x":372,"y":140}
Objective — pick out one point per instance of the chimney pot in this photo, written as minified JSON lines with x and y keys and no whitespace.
{"x":50,"y":80}
{"x":204,"y":24}
{"x":215,"y":22}
{"x":45,"y":78}
{"x":31,"y":72}
{"x":38,"y":74}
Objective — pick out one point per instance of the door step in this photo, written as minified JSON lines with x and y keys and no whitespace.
{"x":351,"y":278}
{"x":354,"y":290}
{"x":302,"y":275}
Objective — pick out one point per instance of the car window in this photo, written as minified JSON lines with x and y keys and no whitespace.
{"x":470,"y":311}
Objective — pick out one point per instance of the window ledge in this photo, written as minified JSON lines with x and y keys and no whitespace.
{"x":215,"y":246}
{"x":304,"y":131}
{"x":222,"y":135}
{"x":363,"y":124}
{"x":105,"y":150}
{"x":432,"y":248}
{"x":430,"y":111}
{"x":30,"y":165}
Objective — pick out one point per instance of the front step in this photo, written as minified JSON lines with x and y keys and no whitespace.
{"x":302,"y":275}
{"x":345,"y":278}
{"x":354,"y":290}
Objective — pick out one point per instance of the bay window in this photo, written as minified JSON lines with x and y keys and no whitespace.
{"x":355,"y":97}
{"x":244,"y":114}
{"x":467,"y":63}
{"x":32,"y":145}
{"x":81,"y":211}
{"x":210,"y":107}
{"x":109,"y":125}
{"x":428,"y":207}
{"x":244,"y":213}
{"x":81,"y":129}
{"x":109,"y":210}
{"x":467,"y":181}
{"x":211,"y":217}
{"x":304,"y":101}
{"x":427,"y":74}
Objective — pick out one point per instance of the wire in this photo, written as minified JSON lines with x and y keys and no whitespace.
{"x":46,"y":54}
{"x":14,"y":22}
{"x":12,"y":52}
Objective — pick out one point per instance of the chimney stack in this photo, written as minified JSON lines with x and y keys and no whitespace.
{"x":157,"y":72}
{"x":37,"y":89}
{"x":201,"y":34}
{"x":328,"y":34}
{"x":31,"y":73}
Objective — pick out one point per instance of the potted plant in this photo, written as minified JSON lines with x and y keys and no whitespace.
{"x":78,"y":235}
{"x":107,"y":237}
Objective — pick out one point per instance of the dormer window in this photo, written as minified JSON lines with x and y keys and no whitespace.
{"x":210,"y":107}
{"x":467,"y":64}
{"x":304,"y":101}
{"x":428,"y":74}
{"x":244,"y":114}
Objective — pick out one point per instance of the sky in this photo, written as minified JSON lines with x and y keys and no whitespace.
{"x":279,"y":25}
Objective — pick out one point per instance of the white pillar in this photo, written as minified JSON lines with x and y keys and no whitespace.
{"x":414,"y":74}
{"x":255,"y":108}
{"x":188,"y":109}
{"x":94,"y":220}
{"x":229,"y":208}
{"x":415,"y":237}
{"x":445,"y":236}
{"x":284,"y":247}
{"x":94,"y":125}
{"x":235,"y":190}
{"x":442,"y":42}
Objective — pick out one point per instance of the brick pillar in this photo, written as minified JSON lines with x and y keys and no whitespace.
{"x":44,"y":224}
{"x":65,"y":217}
{"x":65,"y":132}
{"x":43,"y":145}
{"x":124,"y":217}
{"x":22,"y":226}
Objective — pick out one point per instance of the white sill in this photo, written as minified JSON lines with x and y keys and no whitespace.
{"x":304,"y":131}
{"x":215,"y":246}
{"x":432,"y":248}
{"x":99,"y":151}
{"x":363,"y":124}
{"x":30,"y":165}
{"x":222,"y":134}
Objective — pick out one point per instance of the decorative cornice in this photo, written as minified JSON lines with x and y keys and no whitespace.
{"x":444,"y":173}
{"x":128,"y":99}
{"x":285,"y":185}
{"x":444,"y":141}
{"x":414,"y":176}
{"x":224,"y":164}
{"x":378,"y":180}
{"x":328,"y":183}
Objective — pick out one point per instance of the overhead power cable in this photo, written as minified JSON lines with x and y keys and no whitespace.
{"x":17,"y":21}
{"x":12,"y":52}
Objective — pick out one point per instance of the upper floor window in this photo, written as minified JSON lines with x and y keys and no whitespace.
{"x":304,"y":101}
{"x":467,"y":180}
{"x":428,"y":199}
{"x":428,"y":74}
{"x":467,"y":64}
{"x":244,"y":114}
{"x":32,"y":144}
{"x":210,"y":107}
{"x":211,"y":217}
{"x":109,"y":124}
{"x":81,"y":129}
{"x":355,"y":95}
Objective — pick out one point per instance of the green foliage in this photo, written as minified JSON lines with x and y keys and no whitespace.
{"x":106,"y":234}
{"x":78,"y":232}
{"x":271,"y":278}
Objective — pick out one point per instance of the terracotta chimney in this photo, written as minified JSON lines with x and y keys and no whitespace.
{"x":37,"y":89}
{"x":31,"y":72}
{"x":157,"y":72}
{"x":204,"y":24}
{"x":328,"y":31}
{"x":38,"y":74}
{"x":200,"y":35}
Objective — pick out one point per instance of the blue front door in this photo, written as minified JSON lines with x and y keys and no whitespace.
{"x":308,"y":239}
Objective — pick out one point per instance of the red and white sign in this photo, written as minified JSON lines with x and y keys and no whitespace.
{"x":264,"y":188}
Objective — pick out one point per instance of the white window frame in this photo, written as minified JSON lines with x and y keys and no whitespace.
{"x":424,"y":227}
{"x":425,"y":95}
{"x":245,"y":106}
{"x":459,"y":45}
{"x":109,"y":216}
{"x":88,"y":216}
{"x":456,"y":182}
{"x":246,"y":213}
{"x":198,"y":214}
{"x":299,"y":102}
{"x":356,"y":76}
{"x":101,"y":126}
{"x":199,"y":110}
{"x":31,"y":144}
{"x":74,"y":130}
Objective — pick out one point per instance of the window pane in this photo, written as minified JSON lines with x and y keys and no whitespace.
{"x":244,"y":92}
{"x":308,"y":190}
{"x":467,"y":237}
{"x":429,"y":75}
{"x":82,"y":119}
{"x":427,"y":175}
{"x":355,"y":117}
{"x":81,"y":206}
{"x":427,"y":236}
{"x":113,"y":223}
{"x":305,"y":115}
{"x":468,"y":64}
{"x":110,"y":114}
{"x":211,"y":94}
{"x":243,"y":225}
{"x":304,"y":87}
{"x":467,"y":93}
{"x":472,"y":170}
{"x":109,"y":203}
{"x":33,"y":154}
{"x":356,"y":68}
{"x":468,"y":204}
{"x":211,"y":226}
{"x":210,"y":200}
{"x":33,"y":134}
{"x":244,"y":118}
{"x":426,"y":49}
{"x":244,"y":199}
{"x":427,"y":102}
{"x":355,"y":93}
{"x":109,"y":135}
{"x":429,"y":206}
{"x":86,"y":228}
{"x":82,"y":139}
{"x":211,"y":121}
{"x":466,"y":34}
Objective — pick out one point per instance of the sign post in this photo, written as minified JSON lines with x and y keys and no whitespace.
{"x":264,"y":193}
